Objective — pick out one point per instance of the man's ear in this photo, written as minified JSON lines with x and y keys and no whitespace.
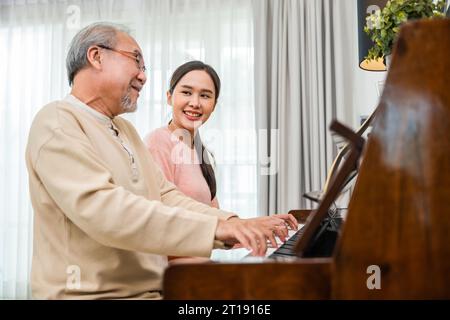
{"x":93,"y":56}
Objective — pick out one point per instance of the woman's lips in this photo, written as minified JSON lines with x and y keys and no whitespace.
{"x":190,"y":115}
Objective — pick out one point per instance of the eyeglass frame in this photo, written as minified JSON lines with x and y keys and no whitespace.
{"x":136,"y":56}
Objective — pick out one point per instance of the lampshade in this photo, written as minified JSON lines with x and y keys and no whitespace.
{"x":366,"y":7}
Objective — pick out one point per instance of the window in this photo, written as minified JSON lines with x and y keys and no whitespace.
{"x":34,"y":38}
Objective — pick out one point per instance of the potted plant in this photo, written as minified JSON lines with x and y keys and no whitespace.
{"x":383,"y":25}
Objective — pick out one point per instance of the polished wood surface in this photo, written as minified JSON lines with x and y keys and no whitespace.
{"x":399,"y":216}
{"x":300,"y":215}
{"x":399,"y":213}
{"x":307,"y":279}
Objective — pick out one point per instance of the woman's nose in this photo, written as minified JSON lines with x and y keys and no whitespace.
{"x":194,"y":101}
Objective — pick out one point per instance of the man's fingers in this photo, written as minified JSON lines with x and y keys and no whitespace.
{"x":284,"y":230}
{"x":243,"y":240}
{"x":262,"y":242}
{"x":281,"y":233}
{"x":252,"y":238}
{"x":290,"y":220}
{"x":294,"y":222}
{"x":272,"y":239}
{"x":280,"y":228}
{"x":260,"y":239}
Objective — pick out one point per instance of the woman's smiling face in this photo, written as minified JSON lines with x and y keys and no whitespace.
{"x":193,"y":100}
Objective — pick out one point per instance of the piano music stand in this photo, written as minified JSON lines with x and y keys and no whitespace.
{"x":339,"y":179}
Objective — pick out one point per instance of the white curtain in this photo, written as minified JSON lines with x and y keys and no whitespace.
{"x":304,"y":61}
{"x":34,"y":38}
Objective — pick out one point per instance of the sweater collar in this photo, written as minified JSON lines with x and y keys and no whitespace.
{"x":81,"y":105}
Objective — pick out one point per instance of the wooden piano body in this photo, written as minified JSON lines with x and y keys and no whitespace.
{"x":399,"y":213}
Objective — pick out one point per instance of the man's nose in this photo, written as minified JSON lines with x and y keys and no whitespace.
{"x":142,"y":77}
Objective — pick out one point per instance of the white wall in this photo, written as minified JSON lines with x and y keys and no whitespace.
{"x":367,"y":84}
{"x":367,"y":87}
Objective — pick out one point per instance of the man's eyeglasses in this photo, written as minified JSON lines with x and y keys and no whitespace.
{"x":136,"y":56}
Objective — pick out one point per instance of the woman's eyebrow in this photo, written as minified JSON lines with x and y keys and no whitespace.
{"x":189,"y":87}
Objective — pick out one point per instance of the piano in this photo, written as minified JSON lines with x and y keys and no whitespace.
{"x":398,"y":218}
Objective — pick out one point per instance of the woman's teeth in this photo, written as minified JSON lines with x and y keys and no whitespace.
{"x":193,"y":114}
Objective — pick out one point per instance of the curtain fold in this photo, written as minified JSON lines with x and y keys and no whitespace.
{"x":303,"y":67}
{"x":34,"y":39}
{"x":286,"y":70}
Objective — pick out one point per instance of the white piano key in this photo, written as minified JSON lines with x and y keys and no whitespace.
{"x":233,"y":255}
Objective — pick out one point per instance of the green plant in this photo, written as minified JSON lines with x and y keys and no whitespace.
{"x":383,"y":26}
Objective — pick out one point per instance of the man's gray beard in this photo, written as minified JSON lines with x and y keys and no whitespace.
{"x":127,"y":104}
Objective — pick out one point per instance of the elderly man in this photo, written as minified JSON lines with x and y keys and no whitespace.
{"x":105,"y":217}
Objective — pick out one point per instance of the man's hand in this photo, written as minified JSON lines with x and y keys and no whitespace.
{"x":254,"y":233}
{"x":276,"y":225}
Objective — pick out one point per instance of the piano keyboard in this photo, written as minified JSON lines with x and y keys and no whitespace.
{"x":244,"y":255}
{"x":285,"y":249}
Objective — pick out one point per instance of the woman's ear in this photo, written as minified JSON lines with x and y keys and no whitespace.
{"x":93,"y":56}
{"x":169,"y":98}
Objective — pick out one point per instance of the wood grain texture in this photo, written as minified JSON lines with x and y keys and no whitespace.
{"x":302,"y":280}
{"x":399,"y":214}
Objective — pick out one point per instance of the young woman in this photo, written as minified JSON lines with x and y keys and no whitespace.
{"x":177,"y":147}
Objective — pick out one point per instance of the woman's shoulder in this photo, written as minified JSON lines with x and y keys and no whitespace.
{"x":158,"y":138}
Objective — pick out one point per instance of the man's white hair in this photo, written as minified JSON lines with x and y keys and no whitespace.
{"x":100,"y":33}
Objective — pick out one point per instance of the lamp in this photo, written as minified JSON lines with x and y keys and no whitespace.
{"x":365,"y":8}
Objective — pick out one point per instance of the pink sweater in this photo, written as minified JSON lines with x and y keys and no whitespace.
{"x":179,"y":164}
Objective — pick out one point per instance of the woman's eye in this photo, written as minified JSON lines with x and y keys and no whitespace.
{"x":206,"y":96}
{"x":185,"y":92}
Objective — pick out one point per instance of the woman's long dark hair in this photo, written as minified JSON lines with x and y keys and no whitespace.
{"x":205,"y":166}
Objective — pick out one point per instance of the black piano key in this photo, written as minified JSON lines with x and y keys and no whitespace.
{"x":291,"y":247}
{"x":287,"y":248}
{"x":274,"y":255}
{"x":284,"y":251}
